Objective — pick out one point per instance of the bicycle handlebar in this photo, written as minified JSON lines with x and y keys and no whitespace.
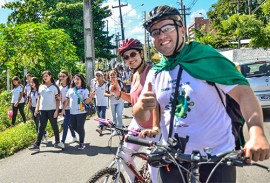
{"x":112,"y":124}
{"x":236,"y":158}
{"x":139,"y":141}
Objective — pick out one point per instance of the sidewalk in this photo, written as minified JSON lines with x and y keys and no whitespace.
{"x":69,"y":165}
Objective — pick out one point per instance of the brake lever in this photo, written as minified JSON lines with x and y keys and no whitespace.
{"x":261,"y":166}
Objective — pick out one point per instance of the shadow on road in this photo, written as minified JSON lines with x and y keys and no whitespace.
{"x":89,"y":150}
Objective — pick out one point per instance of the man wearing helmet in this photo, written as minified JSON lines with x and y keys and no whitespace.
{"x":131,"y":50}
{"x":179,"y":85}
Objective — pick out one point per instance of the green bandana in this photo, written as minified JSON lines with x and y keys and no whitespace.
{"x":205,"y":63}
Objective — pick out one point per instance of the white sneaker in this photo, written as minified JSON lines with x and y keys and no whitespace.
{"x":61,"y":145}
{"x":99,"y":130}
{"x":74,"y":139}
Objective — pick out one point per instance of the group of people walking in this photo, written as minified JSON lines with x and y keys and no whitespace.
{"x":47,"y":100}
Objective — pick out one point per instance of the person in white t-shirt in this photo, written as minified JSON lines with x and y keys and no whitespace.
{"x":116,"y":102}
{"x":64,"y":85}
{"x":27,"y":88}
{"x":33,"y":97}
{"x":199,"y":112}
{"x":17,"y":99}
{"x":77,"y":97}
{"x":101,"y":100}
{"x":47,"y":107}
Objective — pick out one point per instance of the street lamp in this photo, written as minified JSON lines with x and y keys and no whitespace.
{"x":202,"y":15}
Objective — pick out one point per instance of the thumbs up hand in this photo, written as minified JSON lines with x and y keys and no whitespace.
{"x":148,"y":99}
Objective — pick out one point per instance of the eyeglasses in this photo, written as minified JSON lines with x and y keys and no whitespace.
{"x":165,"y":29}
{"x":61,"y":76}
{"x":132,"y":55}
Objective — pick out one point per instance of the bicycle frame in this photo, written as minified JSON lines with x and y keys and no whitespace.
{"x":119,"y":159}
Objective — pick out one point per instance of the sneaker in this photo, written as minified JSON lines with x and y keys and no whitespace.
{"x":34,"y":148}
{"x":45,"y":139}
{"x":74,"y":139}
{"x":61,"y":145}
{"x":81,"y":146}
{"x":99,"y":130}
{"x":56,"y":145}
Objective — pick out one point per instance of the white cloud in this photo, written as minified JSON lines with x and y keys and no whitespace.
{"x":198,"y":13}
{"x":2,"y":2}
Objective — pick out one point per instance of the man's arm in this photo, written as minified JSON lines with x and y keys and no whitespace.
{"x":257,"y":146}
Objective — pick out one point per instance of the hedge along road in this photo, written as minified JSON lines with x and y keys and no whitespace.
{"x":76,"y":166}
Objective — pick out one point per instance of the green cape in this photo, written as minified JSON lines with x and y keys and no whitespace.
{"x":205,"y":63}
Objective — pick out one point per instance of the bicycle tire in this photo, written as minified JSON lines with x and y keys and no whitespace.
{"x":109,"y":173}
{"x":145,"y":174}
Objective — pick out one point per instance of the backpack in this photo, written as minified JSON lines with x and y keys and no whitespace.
{"x":238,"y":121}
{"x":120,"y":83}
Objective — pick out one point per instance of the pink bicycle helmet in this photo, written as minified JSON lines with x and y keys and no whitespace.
{"x":129,"y":44}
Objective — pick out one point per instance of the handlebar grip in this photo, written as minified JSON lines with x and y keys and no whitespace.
{"x":139,"y":141}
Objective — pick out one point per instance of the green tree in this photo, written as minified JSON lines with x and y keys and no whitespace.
{"x":67,"y":15}
{"x":36,"y":48}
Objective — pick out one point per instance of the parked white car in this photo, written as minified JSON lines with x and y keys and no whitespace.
{"x":258,"y":74}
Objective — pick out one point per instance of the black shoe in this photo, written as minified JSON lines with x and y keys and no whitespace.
{"x":34,"y":148}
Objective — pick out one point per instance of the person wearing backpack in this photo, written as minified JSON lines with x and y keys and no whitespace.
{"x":77,"y":98}
{"x":189,"y":105}
{"x":116,"y":102}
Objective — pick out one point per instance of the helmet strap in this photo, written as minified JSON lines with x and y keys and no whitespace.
{"x":177,"y":47}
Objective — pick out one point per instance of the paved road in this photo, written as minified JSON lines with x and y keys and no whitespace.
{"x":52,"y":165}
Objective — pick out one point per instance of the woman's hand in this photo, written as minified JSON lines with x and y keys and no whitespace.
{"x":148,"y":133}
{"x":36,"y":112}
{"x":55,"y":115}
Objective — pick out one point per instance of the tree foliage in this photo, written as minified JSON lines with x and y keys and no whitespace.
{"x":67,"y":15}
{"x":230,"y":22}
{"x":36,"y":47}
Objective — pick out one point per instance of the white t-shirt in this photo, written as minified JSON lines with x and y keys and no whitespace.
{"x":101,"y":100}
{"x":33,"y":97}
{"x":28,"y":89}
{"x":75,"y":104}
{"x":200,"y":113}
{"x":63,"y":91}
{"x":16,"y":94}
{"x":47,"y":97}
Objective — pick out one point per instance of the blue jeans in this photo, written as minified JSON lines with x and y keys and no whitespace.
{"x":66,"y":125}
{"x":117,"y":111}
{"x":101,"y":112}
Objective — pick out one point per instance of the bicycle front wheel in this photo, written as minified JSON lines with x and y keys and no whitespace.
{"x":107,"y":175}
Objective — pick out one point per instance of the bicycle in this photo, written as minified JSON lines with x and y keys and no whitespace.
{"x":112,"y":174}
{"x":163,"y":155}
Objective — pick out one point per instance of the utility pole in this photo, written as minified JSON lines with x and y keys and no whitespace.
{"x":148,"y":50}
{"x":121,"y":19}
{"x":145,"y":39}
{"x":183,"y":14}
{"x":249,"y":7}
{"x":88,"y":40}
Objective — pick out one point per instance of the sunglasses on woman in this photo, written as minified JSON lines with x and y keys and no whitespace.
{"x":132,"y":55}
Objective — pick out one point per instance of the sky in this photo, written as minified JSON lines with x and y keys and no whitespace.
{"x":133,"y":13}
